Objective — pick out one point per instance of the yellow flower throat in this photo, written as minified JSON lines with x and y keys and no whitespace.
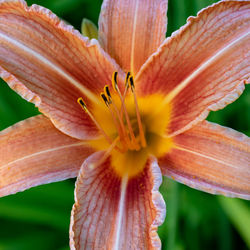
{"x":132,"y":128}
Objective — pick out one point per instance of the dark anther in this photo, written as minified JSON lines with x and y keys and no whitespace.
{"x":103,"y":96}
{"x":131,"y":82}
{"x":106,"y":89}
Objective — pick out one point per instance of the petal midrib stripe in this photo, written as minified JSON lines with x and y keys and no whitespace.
{"x":202,"y":67}
{"x":40,"y":153}
{"x":120,"y":214}
{"x":204,"y":156}
{"x":50,"y":64}
{"x":133,"y":37}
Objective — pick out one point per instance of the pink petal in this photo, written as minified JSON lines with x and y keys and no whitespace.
{"x":130,"y":31}
{"x":115,"y":213}
{"x":34,"y":152}
{"x":50,"y":64}
{"x":203,"y":66}
{"x":211,"y":158}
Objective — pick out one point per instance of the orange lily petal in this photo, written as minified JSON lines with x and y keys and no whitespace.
{"x":115,"y":213}
{"x":212,"y":158}
{"x":34,"y":152}
{"x":203,"y":66}
{"x":50,"y":64}
{"x":130,"y":31}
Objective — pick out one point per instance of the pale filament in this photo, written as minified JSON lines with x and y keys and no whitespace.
{"x":119,"y":126}
{"x":114,"y":107}
{"x":84,"y":107}
{"x":116,"y":88}
{"x":141,"y":132}
{"x":124,"y":132}
{"x":126,"y":136}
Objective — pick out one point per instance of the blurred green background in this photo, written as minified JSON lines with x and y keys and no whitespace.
{"x":39,"y":218}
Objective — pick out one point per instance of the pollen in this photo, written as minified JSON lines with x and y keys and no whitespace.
{"x":131,"y":128}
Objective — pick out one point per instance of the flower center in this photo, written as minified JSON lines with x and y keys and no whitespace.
{"x":132,"y":128}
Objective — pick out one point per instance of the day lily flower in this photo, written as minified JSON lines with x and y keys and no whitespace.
{"x":120,"y":111}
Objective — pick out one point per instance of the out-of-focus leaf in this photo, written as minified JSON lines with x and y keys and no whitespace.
{"x":72,"y":10}
{"x":44,"y":205}
{"x":27,"y":242}
{"x":12,"y":107}
{"x":64,"y":248}
{"x":235,"y":115}
{"x":26,"y":236}
{"x":170,"y":192}
{"x":225,"y":235}
{"x":239,"y":214}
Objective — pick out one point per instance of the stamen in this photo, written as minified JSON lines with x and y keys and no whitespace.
{"x":124,"y":94}
{"x":84,"y":107}
{"x":105,"y":99}
{"x":120,"y":130}
{"x":119,"y":115}
{"x":141,"y":132}
{"x":114,"y":81}
{"x":115,"y":85}
{"x":131,"y":83}
{"x":82,"y":104}
{"x":122,"y":98}
{"x":107,"y":92}
{"x":126,"y":80}
{"x":126,"y":86}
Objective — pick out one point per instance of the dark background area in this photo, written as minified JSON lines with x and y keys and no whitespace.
{"x":39,"y":218}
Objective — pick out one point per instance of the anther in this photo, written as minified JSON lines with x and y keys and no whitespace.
{"x":131,"y":83}
{"x":127,"y":78}
{"x":84,"y":107}
{"x":114,"y":81}
{"x":105,"y":99}
{"x":107,"y":92}
{"x":82,"y":104}
{"x":122,"y":98}
{"x":112,"y":108}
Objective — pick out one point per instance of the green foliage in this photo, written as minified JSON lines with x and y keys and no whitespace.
{"x":39,"y":218}
{"x":239,"y":214}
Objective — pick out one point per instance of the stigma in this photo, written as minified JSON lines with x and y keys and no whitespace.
{"x":131,"y":128}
